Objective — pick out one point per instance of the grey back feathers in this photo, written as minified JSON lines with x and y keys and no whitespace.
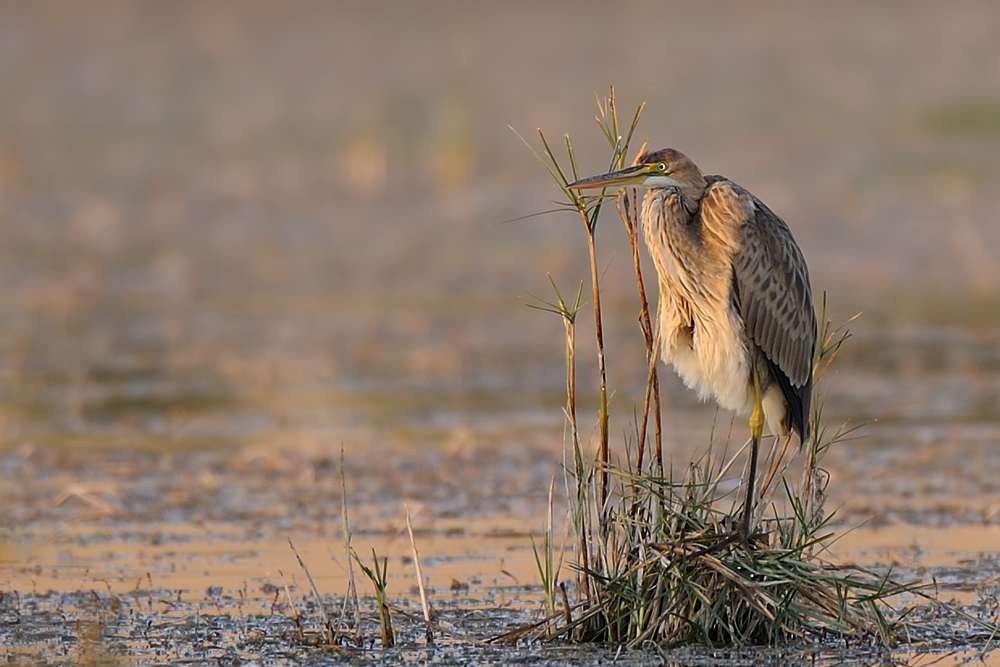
{"x":771,"y":288}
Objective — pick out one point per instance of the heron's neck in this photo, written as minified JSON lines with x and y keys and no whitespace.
{"x":687,"y":196}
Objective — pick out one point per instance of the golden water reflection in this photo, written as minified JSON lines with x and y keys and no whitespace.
{"x":490,"y":560}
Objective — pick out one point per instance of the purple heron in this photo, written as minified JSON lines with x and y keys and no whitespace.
{"x":736,"y":315}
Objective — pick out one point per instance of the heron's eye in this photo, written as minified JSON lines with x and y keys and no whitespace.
{"x":662,"y":167}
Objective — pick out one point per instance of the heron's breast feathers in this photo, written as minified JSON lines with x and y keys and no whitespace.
{"x":700,"y":328}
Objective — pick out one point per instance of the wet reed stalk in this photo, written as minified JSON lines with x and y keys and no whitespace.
{"x":327,"y":626}
{"x":352,"y":587}
{"x":604,"y":451}
{"x":589,"y":220}
{"x":291,"y":605}
{"x":628,"y":210}
{"x":580,"y":523}
{"x":429,"y":631}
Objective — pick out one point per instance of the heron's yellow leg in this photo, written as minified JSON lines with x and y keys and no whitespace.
{"x":757,"y":416}
{"x":756,"y":429}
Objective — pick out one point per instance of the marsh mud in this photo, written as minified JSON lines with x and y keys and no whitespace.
{"x":236,"y":243}
{"x":147,"y":557}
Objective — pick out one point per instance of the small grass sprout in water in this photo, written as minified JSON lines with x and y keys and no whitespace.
{"x":379,"y":578}
{"x":659,"y":559}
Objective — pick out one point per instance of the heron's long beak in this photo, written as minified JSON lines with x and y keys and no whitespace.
{"x":629,"y":176}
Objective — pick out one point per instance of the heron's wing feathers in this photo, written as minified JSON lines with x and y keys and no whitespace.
{"x":771,"y":283}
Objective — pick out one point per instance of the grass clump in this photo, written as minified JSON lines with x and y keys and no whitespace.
{"x":659,"y":559}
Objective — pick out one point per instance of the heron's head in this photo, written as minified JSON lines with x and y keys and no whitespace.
{"x":666,"y":168}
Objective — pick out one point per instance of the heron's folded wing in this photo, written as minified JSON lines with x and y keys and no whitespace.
{"x":773,"y":292}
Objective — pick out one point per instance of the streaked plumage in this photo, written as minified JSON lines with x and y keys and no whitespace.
{"x":734,"y":290}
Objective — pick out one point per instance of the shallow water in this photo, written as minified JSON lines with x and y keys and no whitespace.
{"x":230,"y":249}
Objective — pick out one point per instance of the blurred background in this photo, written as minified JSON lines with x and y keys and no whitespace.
{"x":298,"y":225}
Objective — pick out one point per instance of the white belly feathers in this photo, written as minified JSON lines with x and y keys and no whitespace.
{"x":711,"y":358}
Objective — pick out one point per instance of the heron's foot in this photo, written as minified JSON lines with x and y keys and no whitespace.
{"x":723,"y":539}
{"x":739,"y":533}
{"x":733,"y":533}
